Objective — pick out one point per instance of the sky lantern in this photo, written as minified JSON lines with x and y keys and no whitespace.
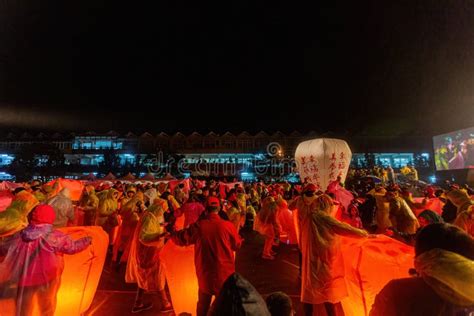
{"x":82,"y":271}
{"x":369,"y":263}
{"x":181,"y":276}
{"x":79,"y":279}
{"x":75,"y":187}
{"x":322,"y":160}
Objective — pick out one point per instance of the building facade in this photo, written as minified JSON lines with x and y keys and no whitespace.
{"x":194,"y":154}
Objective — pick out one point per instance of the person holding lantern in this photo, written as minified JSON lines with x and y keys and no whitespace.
{"x":34,"y":262}
{"x":144,"y":266}
{"x":322,"y":278}
{"x":215,"y":241}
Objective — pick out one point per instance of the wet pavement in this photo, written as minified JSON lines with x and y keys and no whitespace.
{"x":115,"y":297}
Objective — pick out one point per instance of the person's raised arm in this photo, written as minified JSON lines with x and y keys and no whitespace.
{"x":65,"y":244}
{"x":341,"y":228}
{"x":187,"y":236}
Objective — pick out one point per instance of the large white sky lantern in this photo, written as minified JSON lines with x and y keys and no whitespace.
{"x":321,"y":160}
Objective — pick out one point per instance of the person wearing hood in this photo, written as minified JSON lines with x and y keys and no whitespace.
{"x":238,"y":297}
{"x":130,"y":214}
{"x":465,"y":210}
{"x":191,"y":210}
{"x":322,"y":273}
{"x":63,"y":208}
{"x":144,"y":266}
{"x":35,"y":262}
{"x":15,"y":217}
{"x":267,"y":225}
{"x":150,"y":195}
{"x":106,"y":217}
{"x":428,"y":217}
{"x":179,"y":193}
{"x":465,"y":220}
{"x":382,"y":212}
{"x":401,"y":215}
{"x":215,"y":242}
{"x":89,"y":202}
{"x":129,"y":194}
{"x":444,"y":284}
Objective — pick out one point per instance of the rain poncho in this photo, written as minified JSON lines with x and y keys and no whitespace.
{"x":465,"y":221}
{"x":341,"y":195}
{"x":150,"y":196}
{"x":449,"y":274}
{"x":267,"y":223}
{"x":322,"y":278}
{"x":89,"y":203}
{"x":465,"y":207}
{"x":382,"y":211}
{"x":107,"y":205}
{"x":191,"y":211}
{"x":33,"y":266}
{"x":238,"y":298}
{"x":130,"y":214}
{"x":460,"y":199}
{"x":15,"y":217}
{"x":402,"y":217}
{"x":285,"y":219}
{"x":144,"y":265}
{"x":445,"y":287}
{"x":63,"y":208}
{"x":235,"y":216}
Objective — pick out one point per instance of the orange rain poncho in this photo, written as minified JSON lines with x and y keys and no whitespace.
{"x":130,"y":214}
{"x":267,"y":223}
{"x":144,"y":265}
{"x":322,"y":278}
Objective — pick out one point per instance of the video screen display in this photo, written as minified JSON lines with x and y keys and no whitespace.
{"x":454,"y":150}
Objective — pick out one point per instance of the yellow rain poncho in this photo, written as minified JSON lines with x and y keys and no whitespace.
{"x":15,"y":217}
{"x":144,"y":265}
{"x":382,"y":212}
{"x":402,"y":217}
{"x":460,"y":199}
{"x":449,"y":274}
{"x":107,"y":205}
{"x":465,"y":221}
{"x":89,"y":203}
{"x":322,"y":278}
{"x":235,"y":216}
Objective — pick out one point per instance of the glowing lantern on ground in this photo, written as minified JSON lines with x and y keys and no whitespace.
{"x":322,"y":160}
{"x":82,"y":271}
{"x":181,"y":277}
{"x":370,"y":263}
{"x":79,"y":279}
{"x":6,"y":198}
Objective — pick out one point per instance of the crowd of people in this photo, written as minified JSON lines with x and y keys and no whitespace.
{"x":141,"y":218}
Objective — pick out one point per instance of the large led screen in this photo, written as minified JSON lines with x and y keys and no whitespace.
{"x":454,"y":150}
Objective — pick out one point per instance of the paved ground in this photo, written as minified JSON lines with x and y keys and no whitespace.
{"x":115,"y":297}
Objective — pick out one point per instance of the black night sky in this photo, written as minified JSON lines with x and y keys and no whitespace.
{"x":373,"y":67}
